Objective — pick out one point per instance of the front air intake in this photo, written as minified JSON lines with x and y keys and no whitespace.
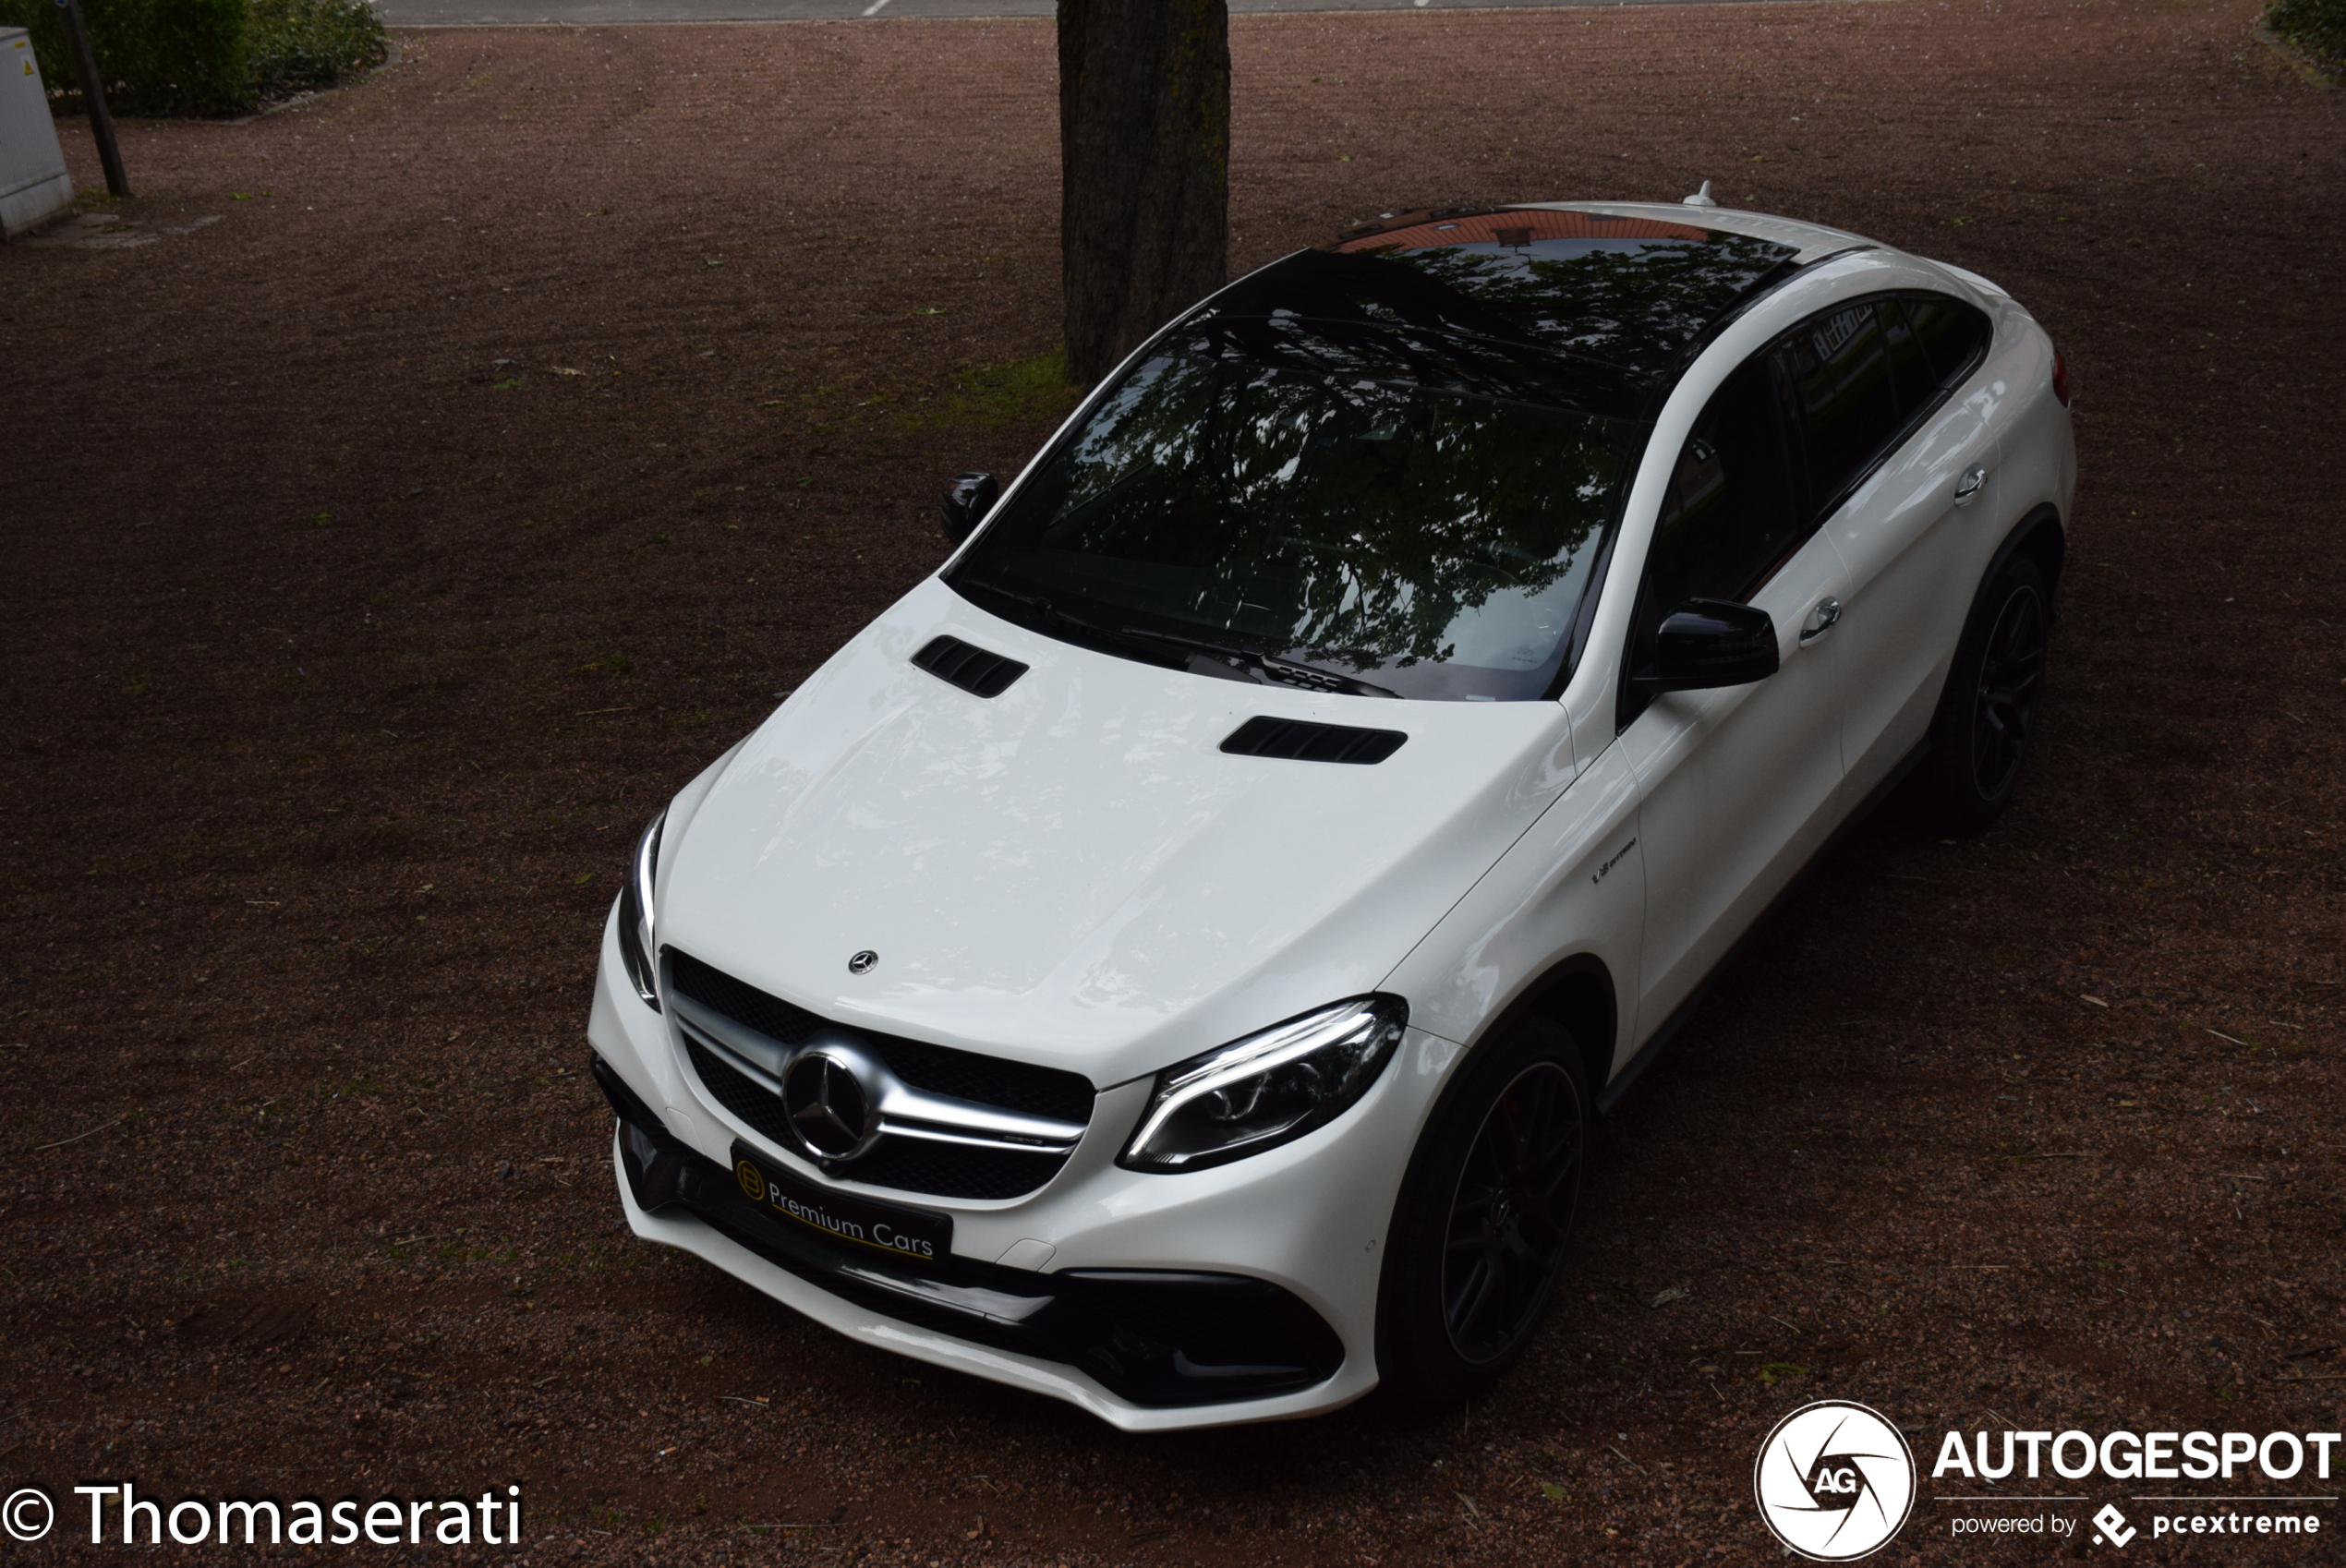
{"x":1301,"y":741}
{"x":969,"y":667}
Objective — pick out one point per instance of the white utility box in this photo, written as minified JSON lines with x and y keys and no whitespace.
{"x":34,"y":187}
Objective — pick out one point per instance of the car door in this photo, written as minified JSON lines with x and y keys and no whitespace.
{"x":1737,"y":785}
{"x":1901,"y":468}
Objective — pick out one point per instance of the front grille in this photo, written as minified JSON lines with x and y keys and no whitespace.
{"x":907,"y":1164}
{"x":940,"y":1069}
{"x":738,"y":1094}
{"x":770,"y":1015}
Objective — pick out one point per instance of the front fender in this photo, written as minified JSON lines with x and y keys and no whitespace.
{"x":1574,"y":884}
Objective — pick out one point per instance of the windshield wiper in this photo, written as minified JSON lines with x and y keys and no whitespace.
{"x":1272,"y":668}
{"x":1091,"y":631}
{"x":1217,"y":659}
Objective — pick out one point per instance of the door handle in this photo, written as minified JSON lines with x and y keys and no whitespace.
{"x":1967,"y":488}
{"x":1821,"y":620}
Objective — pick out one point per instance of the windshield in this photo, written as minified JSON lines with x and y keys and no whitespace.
{"x":1411,"y":512}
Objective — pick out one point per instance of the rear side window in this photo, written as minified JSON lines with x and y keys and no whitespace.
{"x":1948,"y":336}
{"x":1838,"y":367}
{"x":1729,"y":517}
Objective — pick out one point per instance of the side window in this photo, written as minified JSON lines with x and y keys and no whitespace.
{"x":1839,"y":366}
{"x":1950,"y":335}
{"x":1729,"y":517}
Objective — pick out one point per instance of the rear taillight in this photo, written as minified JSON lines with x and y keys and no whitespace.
{"x":2061,"y":380}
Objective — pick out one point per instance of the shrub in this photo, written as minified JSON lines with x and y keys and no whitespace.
{"x":154,"y":56}
{"x":2318,"y":27}
{"x":205,"y":56}
{"x":296,"y":45}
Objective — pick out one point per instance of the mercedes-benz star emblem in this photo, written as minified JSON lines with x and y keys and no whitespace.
{"x":831,"y":1106}
{"x":861,"y":962}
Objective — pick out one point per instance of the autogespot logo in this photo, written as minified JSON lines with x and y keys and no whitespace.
{"x":1834,"y":1481}
{"x":28,"y":1513}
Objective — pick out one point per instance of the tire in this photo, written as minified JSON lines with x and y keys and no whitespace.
{"x":1479,"y":1240}
{"x":1987,"y":718}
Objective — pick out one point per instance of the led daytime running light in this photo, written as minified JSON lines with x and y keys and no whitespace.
{"x":647,"y":869}
{"x":637,"y":941}
{"x":1370,"y":1025}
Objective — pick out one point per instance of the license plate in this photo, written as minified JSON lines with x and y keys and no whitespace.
{"x":914,"y":1235}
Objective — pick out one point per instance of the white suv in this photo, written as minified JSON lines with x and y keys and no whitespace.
{"x":1026,"y":997}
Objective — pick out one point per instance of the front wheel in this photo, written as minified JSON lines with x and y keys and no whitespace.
{"x":1987,"y":715}
{"x":1486,"y":1217}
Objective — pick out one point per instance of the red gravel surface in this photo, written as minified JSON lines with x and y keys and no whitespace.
{"x":381,"y":554}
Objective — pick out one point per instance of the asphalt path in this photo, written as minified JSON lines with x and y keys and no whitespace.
{"x":577,"y":13}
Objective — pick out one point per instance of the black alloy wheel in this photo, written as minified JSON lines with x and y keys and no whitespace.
{"x":1980,"y":736}
{"x":2012,"y":681}
{"x":1512,"y":1213}
{"x":1483,"y":1229}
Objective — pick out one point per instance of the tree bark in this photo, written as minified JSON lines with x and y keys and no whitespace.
{"x":1144,"y":169}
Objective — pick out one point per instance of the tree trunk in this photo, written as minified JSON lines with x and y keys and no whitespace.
{"x":1144,"y":169}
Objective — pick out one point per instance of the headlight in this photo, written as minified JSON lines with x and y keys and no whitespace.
{"x":1267,"y":1089}
{"x":636,"y":944}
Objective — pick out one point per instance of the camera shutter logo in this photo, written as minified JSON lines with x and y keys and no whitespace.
{"x":28,"y":1513}
{"x":1834,"y":1481}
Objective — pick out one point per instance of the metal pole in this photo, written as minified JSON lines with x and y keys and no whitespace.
{"x":94,"y":98}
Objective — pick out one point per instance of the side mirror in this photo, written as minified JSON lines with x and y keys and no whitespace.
{"x":967,"y":501}
{"x":1705,"y":644}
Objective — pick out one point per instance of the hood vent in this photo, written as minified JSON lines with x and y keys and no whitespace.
{"x":972,"y":668}
{"x":1312,"y":743}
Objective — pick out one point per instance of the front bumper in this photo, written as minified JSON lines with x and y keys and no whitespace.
{"x":1245,"y":1293}
{"x":1151,"y":1338}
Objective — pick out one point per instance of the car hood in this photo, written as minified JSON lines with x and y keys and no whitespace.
{"x":1073,"y":872}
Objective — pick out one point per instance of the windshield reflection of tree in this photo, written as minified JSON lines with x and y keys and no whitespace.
{"x":1351,"y":522}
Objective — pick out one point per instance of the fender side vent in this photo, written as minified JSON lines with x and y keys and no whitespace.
{"x":1312,"y":743}
{"x":969,"y":667}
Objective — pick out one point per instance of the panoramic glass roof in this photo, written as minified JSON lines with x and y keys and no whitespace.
{"x":1633,"y":294}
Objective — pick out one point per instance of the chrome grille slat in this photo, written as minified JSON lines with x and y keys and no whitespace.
{"x":903,"y":1109}
{"x":762,"y":1052}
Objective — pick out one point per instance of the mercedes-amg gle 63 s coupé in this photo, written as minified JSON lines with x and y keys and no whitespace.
{"x":1173,"y":957}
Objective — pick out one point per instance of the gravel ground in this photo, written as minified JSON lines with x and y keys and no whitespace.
{"x":412,"y":489}
{"x":529,"y":13}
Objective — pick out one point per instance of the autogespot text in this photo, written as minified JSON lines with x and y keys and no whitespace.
{"x":119,"y":1515}
{"x":2127,"y":1456}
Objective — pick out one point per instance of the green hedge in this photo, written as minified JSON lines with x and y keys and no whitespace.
{"x":154,"y":56}
{"x":296,"y":45}
{"x":205,"y":56}
{"x":2317,"y":27}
